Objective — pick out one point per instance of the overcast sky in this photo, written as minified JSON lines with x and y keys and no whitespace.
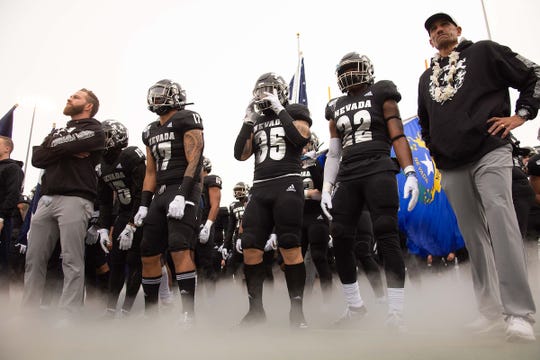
{"x":216,"y":50}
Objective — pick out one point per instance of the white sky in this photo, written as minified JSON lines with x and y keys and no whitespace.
{"x":216,"y":50}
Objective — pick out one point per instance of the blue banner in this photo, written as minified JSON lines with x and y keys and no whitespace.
{"x":6,"y":123}
{"x":431,"y":227}
{"x":297,"y":86}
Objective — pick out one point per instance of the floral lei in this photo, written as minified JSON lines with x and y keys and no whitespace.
{"x":443,"y":93}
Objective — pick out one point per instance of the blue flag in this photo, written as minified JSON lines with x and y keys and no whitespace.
{"x":297,"y":86}
{"x":431,"y":227}
{"x":6,"y":123}
{"x":23,"y":233}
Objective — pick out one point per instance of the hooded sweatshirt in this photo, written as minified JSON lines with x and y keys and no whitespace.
{"x":11,"y":180}
{"x":456,"y":130}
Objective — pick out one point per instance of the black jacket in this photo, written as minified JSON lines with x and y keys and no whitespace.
{"x":11,"y":180}
{"x":65,"y":173}
{"x":456,"y":130}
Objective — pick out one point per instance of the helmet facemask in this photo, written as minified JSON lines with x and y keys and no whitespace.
{"x":353,"y":71}
{"x":164,"y":96}
{"x":240,"y":191}
{"x":267,"y":83}
{"x":116,"y":135}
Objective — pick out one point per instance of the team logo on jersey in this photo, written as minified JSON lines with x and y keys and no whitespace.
{"x":291,"y":188}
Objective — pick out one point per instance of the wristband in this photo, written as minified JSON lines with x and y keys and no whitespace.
{"x":409,"y":170}
{"x":146,"y":198}
{"x":306,"y":193}
{"x":187,"y":186}
{"x":327,"y":187}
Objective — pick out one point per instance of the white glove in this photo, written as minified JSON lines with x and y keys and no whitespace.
{"x":126,"y":237}
{"x":239,"y":246}
{"x":251,"y":115}
{"x":22,"y":248}
{"x":91,"y":235}
{"x":411,"y":188}
{"x":204,"y":234}
{"x":271,"y":243}
{"x":273,"y":99}
{"x":326,"y":203}
{"x":330,"y":242}
{"x":140,"y":215}
{"x":176,"y":207}
{"x":104,"y":240}
{"x":224,"y":252}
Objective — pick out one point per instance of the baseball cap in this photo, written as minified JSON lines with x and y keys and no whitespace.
{"x":438,"y":16}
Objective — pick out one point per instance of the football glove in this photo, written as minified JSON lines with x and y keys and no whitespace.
{"x":22,"y":248}
{"x":204,"y":234}
{"x":126,"y":237}
{"x":176,"y":207}
{"x":326,"y":204}
{"x":411,"y":188}
{"x":273,"y":99}
{"x":140,"y":215}
{"x":239,"y":246}
{"x":91,"y":235}
{"x":271,"y":243}
{"x":104,"y":240}
{"x":251,"y":115}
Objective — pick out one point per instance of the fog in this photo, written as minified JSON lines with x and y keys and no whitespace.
{"x":436,"y":310}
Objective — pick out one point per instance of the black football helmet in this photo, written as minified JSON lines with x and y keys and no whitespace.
{"x":241,"y":190}
{"x":116,"y":134}
{"x":267,"y":82}
{"x":164,"y":96}
{"x":313,"y":143}
{"x":206,"y":165}
{"x":354,"y":69}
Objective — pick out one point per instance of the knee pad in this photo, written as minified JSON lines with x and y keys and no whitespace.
{"x":385,"y":224}
{"x":289,"y":241}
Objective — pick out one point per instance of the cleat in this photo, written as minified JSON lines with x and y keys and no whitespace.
{"x":253,"y":318}
{"x":351,"y":317}
{"x":395,"y":323}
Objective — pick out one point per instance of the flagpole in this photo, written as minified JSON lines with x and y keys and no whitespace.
{"x":486,"y":19}
{"x":29,"y":139}
{"x":296,"y":84}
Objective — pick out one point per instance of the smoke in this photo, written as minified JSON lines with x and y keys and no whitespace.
{"x":436,"y":309}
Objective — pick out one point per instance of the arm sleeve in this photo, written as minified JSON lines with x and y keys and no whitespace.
{"x":137,"y":177}
{"x":331,"y":165}
{"x":105,"y":201}
{"x":243,"y":136}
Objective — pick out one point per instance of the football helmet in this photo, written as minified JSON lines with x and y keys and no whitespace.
{"x":116,"y":134}
{"x":241,"y":190}
{"x":166,"y":95}
{"x":354,"y":69}
{"x":206,"y":165}
{"x":267,"y":82}
{"x":313,"y":144}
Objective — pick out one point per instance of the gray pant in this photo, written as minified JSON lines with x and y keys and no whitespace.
{"x":480,"y":194}
{"x":63,"y":218}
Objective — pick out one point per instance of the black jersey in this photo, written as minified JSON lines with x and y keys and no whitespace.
{"x":121,"y":179}
{"x":363,"y":131}
{"x":275,"y":155}
{"x":312,"y":177}
{"x":236,"y":213}
{"x":208,"y":182}
{"x":167,"y":144}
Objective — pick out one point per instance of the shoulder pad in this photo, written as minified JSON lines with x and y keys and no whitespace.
{"x":385,"y":90}
{"x":187,"y":119}
{"x":213,"y":181}
{"x":299,"y":112}
{"x":330,"y":109}
{"x":130,"y":157}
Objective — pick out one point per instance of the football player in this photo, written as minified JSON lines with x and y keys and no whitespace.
{"x":315,"y":229}
{"x":232,"y":257}
{"x":364,"y":123}
{"x":171,"y":194}
{"x":204,"y":250}
{"x":120,"y":178}
{"x":275,"y":132}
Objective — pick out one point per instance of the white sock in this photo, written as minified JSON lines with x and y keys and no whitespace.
{"x":165,"y":293}
{"x":352,"y":295}
{"x":396,"y":299}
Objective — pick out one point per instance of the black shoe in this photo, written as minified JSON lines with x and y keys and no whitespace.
{"x":253,"y":318}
